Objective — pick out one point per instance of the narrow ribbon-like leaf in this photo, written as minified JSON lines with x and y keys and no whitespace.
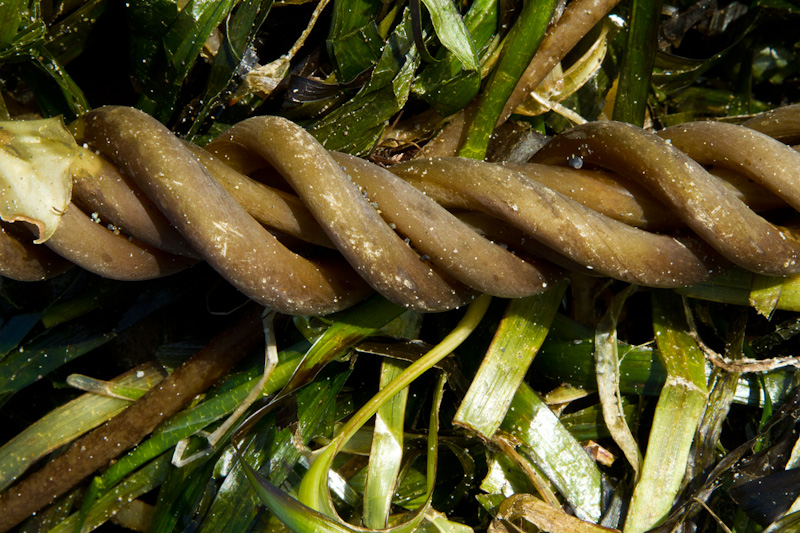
{"x":677,"y":415}
{"x":516,"y":342}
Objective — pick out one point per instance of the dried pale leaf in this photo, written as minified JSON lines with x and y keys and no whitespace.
{"x":543,"y":516}
{"x":36,"y":160}
{"x":765,"y":293}
{"x":556,"y":89}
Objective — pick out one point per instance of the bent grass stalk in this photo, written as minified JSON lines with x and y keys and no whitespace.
{"x":313,"y":489}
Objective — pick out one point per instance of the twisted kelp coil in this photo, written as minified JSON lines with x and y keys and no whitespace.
{"x":181,"y":203}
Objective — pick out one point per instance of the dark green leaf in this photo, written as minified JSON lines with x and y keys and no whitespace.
{"x":182,"y":44}
{"x":349,"y":328}
{"x":354,"y":43}
{"x":637,"y":63}
{"x":68,"y":39}
{"x":234,"y":58}
{"x":10,"y":17}
{"x":356,"y":126}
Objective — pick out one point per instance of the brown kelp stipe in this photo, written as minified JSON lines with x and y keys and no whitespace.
{"x":662,"y":210}
{"x":96,"y":449}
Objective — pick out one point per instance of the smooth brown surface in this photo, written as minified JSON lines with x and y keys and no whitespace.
{"x":707,"y":206}
{"x":368,"y":244}
{"x":217,"y":227}
{"x":98,"y":250}
{"x":601,"y":244}
{"x":451,"y":244}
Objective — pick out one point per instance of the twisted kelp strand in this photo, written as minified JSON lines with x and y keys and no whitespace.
{"x":200,"y":204}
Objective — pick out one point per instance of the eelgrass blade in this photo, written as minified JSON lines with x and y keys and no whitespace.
{"x":637,"y":64}
{"x":518,"y":338}
{"x":75,"y":100}
{"x":14,"y":330}
{"x":69,"y":37}
{"x":59,"y":345}
{"x":765,"y":293}
{"x":567,"y":357}
{"x":184,"y":493}
{"x":66,"y":423}
{"x":301,"y":518}
{"x":736,"y":287}
{"x":313,"y":489}
{"x":139,"y":483}
{"x":273,"y":453}
{"x":722,"y":391}
{"x":556,"y":452}
{"x":608,"y":380}
{"x":588,"y":424}
{"x":556,"y":90}
{"x":192,"y":420}
{"x":21,"y":39}
{"x":386,"y":453}
{"x":181,"y":44}
{"x":10,"y":17}
{"x":677,"y":415}
{"x":349,"y":328}
{"x":519,"y":48}
{"x":298,"y":517}
{"x":234,"y":57}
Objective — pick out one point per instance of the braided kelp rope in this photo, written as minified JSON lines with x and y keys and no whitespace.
{"x":419,"y":232}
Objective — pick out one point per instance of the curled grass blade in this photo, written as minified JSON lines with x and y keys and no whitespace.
{"x":313,"y":489}
{"x":235,"y":504}
{"x":349,"y":328}
{"x":608,"y":380}
{"x":292,"y":513}
{"x":446,"y":85}
{"x":386,"y":453}
{"x":452,"y":32}
{"x":522,"y":330}
{"x":677,"y":416}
